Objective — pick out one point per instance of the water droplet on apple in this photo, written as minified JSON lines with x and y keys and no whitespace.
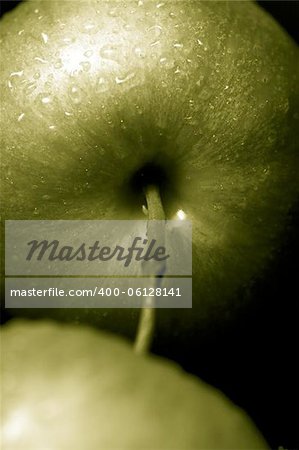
{"x":144,"y":210}
{"x":85,"y":65}
{"x":30,"y":87}
{"x":101,"y":85}
{"x":15,"y":79}
{"x":88,"y":28}
{"x":109,"y":52}
{"x":167,"y":63}
{"x":123,"y":125}
{"x":153,"y":44}
{"x":36,"y":76}
{"x":285,"y":106}
{"x":45,"y":99}
{"x":45,"y":38}
{"x":124,"y":78}
{"x":50,"y":77}
{"x":36,"y":211}
{"x":113,"y":12}
{"x":139,"y":52}
{"x":41,"y":60}
{"x":20,"y":73}
{"x":75,"y":94}
{"x":58,"y":64}
{"x":216,"y":207}
{"x":155,"y":29}
{"x":272,"y":137}
{"x":52,"y":127}
{"x":172,"y":15}
{"x":88,"y":53}
{"x":178,"y":45}
{"x":69,"y":40}
{"x":21,"y":117}
{"x":46,"y":197}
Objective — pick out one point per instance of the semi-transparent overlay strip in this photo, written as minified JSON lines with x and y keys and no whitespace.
{"x":98,"y":247}
{"x":98,"y":292}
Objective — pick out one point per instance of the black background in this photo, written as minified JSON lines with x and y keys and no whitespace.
{"x":255,"y":361}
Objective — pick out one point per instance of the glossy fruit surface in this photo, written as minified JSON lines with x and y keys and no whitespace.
{"x":71,"y":387}
{"x":203,"y":94}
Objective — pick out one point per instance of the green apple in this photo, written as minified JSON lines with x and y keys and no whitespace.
{"x":70,"y":387}
{"x":200,"y":98}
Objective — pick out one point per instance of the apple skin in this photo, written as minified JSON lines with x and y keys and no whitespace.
{"x":207,"y":92}
{"x":73,"y":387}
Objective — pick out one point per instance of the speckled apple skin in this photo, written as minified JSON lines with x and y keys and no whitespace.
{"x":92,"y":91}
{"x":72,"y":387}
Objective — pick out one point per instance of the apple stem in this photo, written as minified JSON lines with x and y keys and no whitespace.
{"x":154,"y":203}
{"x":145,"y":331}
